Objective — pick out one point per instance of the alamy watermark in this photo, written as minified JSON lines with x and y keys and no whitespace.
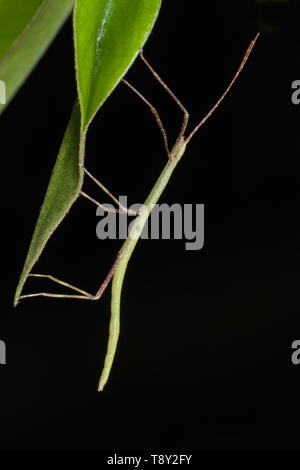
{"x":2,"y":353}
{"x":296,"y":353}
{"x":296,"y":93}
{"x":165,"y":222}
{"x":2,"y":92}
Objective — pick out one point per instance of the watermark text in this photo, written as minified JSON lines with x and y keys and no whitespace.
{"x":2,"y":353}
{"x":296,"y":93}
{"x":296,"y":353}
{"x":2,"y":92}
{"x":164,"y":222}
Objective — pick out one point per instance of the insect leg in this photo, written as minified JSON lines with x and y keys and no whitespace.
{"x":122,"y":208}
{"x":81,"y":293}
{"x":154,"y":112}
{"x":177,"y":101}
{"x":84,"y":295}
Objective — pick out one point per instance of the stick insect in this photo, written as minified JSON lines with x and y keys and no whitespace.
{"x":119,"y":266}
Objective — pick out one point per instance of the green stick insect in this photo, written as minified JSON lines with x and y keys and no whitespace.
{"x":119,"y":266}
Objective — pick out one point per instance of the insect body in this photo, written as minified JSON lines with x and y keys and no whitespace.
{"x":118,"y":269}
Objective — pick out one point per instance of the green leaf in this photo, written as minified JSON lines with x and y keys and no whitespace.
{"x":63,"y":190}
{"x":108,"y":36}
{"x":14,"y":16}
{"x":27,"y":27}
{"x":124,"y":27}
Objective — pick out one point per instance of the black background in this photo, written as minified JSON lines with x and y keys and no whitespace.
{"x":204,"y":357}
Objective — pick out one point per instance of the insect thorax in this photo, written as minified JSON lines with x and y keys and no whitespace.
{"x":178,"y":149}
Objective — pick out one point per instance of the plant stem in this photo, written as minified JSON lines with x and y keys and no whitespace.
{"x":125,"y":254}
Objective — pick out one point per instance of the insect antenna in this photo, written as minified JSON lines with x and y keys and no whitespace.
{"x":246,"y":56}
